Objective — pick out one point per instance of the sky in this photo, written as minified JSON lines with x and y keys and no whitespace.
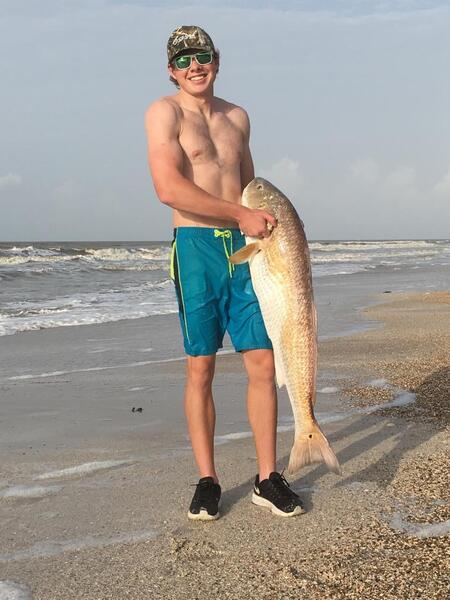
{"x":348,"y":102}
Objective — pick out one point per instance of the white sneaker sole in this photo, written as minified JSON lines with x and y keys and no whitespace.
{"x":203,"y":516}
{"x":298,"y":510}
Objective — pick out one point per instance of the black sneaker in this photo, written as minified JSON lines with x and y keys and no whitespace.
{"x":205,"y":503}
{"x":276,"y":494}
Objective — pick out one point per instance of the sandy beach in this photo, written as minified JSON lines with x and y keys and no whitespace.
{"x":93,"y":505}
{"x":134,"y":150}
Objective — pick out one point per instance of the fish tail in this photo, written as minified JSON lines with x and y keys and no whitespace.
{"x":312,"y":446}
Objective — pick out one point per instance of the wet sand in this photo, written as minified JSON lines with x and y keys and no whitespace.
{"x":116,"y":527}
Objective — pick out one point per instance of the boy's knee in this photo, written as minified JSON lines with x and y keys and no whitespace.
{"x":260,"y":366}
{"x":200,"y":372}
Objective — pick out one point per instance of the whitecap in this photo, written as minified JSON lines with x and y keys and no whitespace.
{"x":86,"y":308}
{"x":115,"y":254}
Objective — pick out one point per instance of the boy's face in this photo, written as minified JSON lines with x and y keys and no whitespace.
{"x":197,"y":78}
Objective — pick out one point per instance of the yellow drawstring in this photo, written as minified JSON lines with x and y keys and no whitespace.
{"x":226,"y":233}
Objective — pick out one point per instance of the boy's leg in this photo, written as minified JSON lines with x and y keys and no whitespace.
{"x":271,"y":489}
{"x":262,"y":407}
{"x":200,"y":411}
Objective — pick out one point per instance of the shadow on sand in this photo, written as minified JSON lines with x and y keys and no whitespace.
{"x":399,"y":434}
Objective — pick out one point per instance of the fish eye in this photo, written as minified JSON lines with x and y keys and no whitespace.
{"x":259,"y":186}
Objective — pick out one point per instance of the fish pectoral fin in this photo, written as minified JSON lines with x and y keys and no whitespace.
{"x":245,"y":253}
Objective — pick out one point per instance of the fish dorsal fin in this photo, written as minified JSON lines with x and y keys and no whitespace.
{"x":245,"y":253}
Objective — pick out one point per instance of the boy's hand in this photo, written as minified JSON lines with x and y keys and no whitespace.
{"x":256,"y":223}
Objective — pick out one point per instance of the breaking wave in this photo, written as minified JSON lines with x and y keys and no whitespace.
{"x":58,"y":284}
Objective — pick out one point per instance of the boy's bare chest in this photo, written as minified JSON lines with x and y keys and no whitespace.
{"x":219,"y":141}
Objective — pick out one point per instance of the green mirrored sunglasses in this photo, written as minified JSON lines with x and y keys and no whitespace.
{"x":184,"y":62}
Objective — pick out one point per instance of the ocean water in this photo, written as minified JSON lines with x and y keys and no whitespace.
{"x":60,"y":284}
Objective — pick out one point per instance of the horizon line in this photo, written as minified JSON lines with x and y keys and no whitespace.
{"x":409,"y":239}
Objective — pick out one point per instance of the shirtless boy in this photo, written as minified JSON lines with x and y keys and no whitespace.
{"x":200,"y":162}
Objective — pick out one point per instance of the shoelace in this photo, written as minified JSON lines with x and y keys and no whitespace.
{"x":284,"y":479}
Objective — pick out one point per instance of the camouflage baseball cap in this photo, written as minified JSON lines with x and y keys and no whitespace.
{"x":187,"y":37}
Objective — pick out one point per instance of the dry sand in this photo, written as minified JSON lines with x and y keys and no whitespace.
{"x":375,"y":532}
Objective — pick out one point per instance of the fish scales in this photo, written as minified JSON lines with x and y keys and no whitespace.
{"x":281,"y":275}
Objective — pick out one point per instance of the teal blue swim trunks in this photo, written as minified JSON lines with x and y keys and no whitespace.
{"x":213,"y":295}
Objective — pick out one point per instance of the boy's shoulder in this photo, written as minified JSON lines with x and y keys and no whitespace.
{"x":164,"y":110}
{"x":164,"y":104}
{"x":234,"y":112}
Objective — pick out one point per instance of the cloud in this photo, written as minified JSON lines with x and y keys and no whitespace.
{"x":401,"y":178}
{"x":69,"y":189}
{"x":365,"y":170}
{"x":10,"y":181}
{"x":286,"y":175}
{"x":442,"y":187}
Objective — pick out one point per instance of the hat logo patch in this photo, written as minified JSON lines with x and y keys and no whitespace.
{"x":182,"y":37}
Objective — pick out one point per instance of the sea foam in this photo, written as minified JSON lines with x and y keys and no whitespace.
{"x":54,"y":548}
{"x":419,"y":530}
{"x":11,"y":590}
{"x":141,"y":363}
{"x":29,"y":491}
{"x":84,"y":469}
{"x":80,"y":284}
